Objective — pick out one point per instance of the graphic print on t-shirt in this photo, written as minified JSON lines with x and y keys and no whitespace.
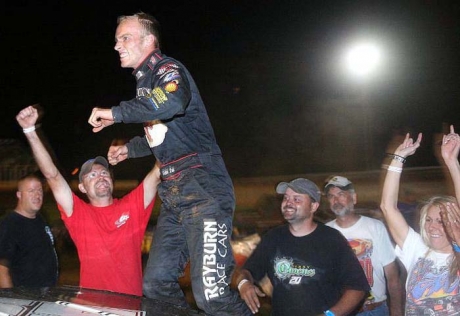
{"x":429,"y":290}
{"x":122,"y":220}
{"x":363,"y":249}
{"x":285,"y":268}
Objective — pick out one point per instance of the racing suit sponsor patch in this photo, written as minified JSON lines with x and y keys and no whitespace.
{"x":167,"y":68}
{"x":170,"y":76}
{"x":214,"y":246}
{"x":156,"y":96}
{"x":168,"y":72}
{"x":171,"y":87}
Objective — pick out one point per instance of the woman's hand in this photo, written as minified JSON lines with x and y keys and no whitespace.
{"x":450,"y":146}
{"x":450,"y":215}
{"x":408,"y":146}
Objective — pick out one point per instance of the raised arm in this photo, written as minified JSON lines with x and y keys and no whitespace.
{"x":450,"y":214}
{"x":151,"y":181}
{"x":135,"y":148}
{"x":450,"y":148}
{"x":396,"y":223}
{"x":27,"y":119}
{"x":169,"y":96}
{"x":100,"y":118}
{"x":117,"y":154}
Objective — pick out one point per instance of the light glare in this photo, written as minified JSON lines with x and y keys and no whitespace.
{"x":363,"y":59}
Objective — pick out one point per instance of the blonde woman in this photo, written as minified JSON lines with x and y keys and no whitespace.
{"x":431,"y":257}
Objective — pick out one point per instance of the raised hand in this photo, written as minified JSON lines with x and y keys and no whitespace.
{"x":117,"y":154}
{"x":450,"y":146}
{"x":27,"y":117}
{"x":100,"y":118}
{"x":408,"y":147}
{"x":450,"y":215}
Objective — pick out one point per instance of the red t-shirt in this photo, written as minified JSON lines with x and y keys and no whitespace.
{"x":108,"y":240}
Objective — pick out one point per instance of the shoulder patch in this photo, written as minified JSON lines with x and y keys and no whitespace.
{"x":171,"y":86}
{"x":166,"y":68}
{"x":170,"y":76}
{"x":158,"y":96}
{"x":168,"y":72}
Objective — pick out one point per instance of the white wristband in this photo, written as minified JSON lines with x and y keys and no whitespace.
{"x":28,"y":129}
{"x":241,"y":283}
{"x":395,"y":169}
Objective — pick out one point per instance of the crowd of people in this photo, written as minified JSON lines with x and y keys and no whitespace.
{"x":352,"y":265}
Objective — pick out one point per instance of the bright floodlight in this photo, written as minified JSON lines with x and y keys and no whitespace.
{"x":363,"y":59}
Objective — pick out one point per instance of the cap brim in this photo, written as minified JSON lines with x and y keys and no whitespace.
{"x":282,"y":187}
{"x":101,"y":161}
{"x":343,"y":188}
{"x":88,"y":165}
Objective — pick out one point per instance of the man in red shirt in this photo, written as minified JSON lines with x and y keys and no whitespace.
{"x":107,"y":232}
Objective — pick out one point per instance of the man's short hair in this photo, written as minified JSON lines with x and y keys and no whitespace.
{"x":150,"y":25}
{"x":29,"y":176}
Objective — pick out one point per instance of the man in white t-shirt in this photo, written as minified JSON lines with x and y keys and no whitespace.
{"x":371,"y":243}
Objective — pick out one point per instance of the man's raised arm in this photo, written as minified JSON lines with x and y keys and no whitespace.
{"x":151,"y":181}
{"x":27,"y":118}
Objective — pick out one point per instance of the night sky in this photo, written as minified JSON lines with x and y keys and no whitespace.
{"x":269,"y":72}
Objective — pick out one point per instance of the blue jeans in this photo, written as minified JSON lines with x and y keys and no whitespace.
{"x":381,"y":310}
{"x":195,"y":223}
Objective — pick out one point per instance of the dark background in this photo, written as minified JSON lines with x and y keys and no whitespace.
{"x":269,"y":72}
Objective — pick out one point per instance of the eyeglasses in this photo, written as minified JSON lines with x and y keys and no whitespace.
{"x":95,"y":174}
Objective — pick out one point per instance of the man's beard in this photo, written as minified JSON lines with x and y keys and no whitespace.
{"x":105,"y":191}
{"x":295,"y":214}
{"x":341,"y":210}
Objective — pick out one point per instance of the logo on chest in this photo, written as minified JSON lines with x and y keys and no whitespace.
{"x":122,"y":220}
{"x":285,"y":268}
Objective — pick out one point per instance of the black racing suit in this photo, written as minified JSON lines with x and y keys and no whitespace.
{"x":195,"y":221}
